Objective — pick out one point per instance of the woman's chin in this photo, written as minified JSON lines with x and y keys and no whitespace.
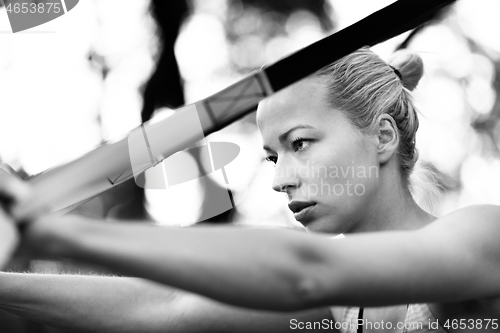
{"x":322,"y":226}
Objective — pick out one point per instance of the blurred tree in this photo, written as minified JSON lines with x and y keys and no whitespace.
{"x":432,"y":18}
{"x":488,"y":126}
{"x":320,"y":8}
{"x":163,"y":89}
{"x":252,"y":26}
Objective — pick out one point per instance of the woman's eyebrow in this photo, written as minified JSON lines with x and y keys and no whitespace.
{"x":283,"y":136}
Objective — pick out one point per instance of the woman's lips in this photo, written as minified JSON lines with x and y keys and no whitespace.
{"x":304,"y":214}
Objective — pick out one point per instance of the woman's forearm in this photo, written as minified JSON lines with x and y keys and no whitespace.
{"x":88,"y":303}
{"x":273,"y":267}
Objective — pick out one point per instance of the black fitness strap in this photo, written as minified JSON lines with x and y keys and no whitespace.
{"x":360,"y":318}
{"x":378,"y":27}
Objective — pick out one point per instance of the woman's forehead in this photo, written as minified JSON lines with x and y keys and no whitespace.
{"x":304,"y":100}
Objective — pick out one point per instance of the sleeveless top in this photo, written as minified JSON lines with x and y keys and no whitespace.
{"x":418,"y":319}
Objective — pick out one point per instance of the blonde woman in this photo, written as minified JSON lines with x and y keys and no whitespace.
{"x":343,"y":143}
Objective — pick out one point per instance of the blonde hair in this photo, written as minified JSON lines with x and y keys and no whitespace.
{"x":363,"y":86}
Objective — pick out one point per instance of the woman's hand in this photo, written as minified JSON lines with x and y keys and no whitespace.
{"x":12,"y":189}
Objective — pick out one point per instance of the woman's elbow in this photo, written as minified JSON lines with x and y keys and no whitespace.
{"x":308,"y":294}
{"x":310,"y":288}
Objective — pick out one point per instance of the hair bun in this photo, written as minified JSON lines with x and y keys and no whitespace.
{"x":410,"y":65}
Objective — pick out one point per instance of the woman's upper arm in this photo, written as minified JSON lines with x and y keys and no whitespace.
{"x":455,"y":258}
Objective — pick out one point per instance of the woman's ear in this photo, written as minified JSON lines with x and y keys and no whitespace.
{"x":388,"y":138}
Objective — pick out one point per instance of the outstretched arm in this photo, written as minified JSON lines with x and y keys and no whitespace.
{"x":288,"y":271}
{"x":114,"y":304}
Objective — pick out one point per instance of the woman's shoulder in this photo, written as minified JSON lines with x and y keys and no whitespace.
{"x":477,"y":209}
{"x":464,"y":229}
{"x":470,"y":217}
{"x":467,"y":239}
{"x":469,"y":235}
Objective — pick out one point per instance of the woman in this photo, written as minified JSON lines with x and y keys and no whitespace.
{"x":343,"y":142}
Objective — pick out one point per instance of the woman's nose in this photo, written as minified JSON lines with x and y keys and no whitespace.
{"x":285,"y":178}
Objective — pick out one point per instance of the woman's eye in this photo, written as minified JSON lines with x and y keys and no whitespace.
{"x":300,"y":144}
{"x":272,"y":159}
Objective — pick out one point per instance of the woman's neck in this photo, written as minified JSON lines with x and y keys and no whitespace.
{"x":394,"y":209}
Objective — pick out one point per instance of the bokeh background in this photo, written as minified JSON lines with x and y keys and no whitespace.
{"x":99,"y":71}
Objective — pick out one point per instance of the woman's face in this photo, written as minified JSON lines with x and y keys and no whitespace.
{"x":326,"y":166}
